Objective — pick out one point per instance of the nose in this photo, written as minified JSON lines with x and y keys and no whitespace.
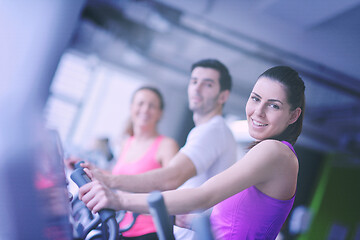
{"x":145,"y":107}
{"x":198,"y":86}
{"x":260,"y":110}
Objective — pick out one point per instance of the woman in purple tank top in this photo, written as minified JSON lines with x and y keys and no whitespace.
{"x":253,"y":197}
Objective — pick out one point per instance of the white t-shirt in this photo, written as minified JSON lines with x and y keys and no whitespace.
{"x":212,"y":148}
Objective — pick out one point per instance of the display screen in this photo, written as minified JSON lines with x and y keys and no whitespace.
{"x":50,"y":183}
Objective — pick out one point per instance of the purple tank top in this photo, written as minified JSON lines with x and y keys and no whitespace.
{"x":250,"y":214}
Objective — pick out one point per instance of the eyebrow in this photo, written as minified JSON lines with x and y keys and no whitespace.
{"x":270,"y":100}
{"x":205,"y":79}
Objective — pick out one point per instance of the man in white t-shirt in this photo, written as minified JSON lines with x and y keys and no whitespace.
{"x":210,"y":147}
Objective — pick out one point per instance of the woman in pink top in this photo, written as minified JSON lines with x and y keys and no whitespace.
{"x":254,"y":196}
{"x":143,"y":151}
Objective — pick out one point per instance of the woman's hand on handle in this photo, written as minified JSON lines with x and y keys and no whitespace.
{"x":97,"y":173}
{"x":96,"y":195}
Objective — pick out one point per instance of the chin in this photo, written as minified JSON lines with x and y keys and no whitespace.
{"x":254,"y":136}
{"x":257,"y":136}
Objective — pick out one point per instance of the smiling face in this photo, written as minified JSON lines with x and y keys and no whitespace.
{"x":145,"y":109}
{"x":204,"y":91}
{"x":267,"y":110}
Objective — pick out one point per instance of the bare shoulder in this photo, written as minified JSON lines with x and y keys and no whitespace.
{"x":275,"y":151}
{"x":167,"y":150}
{"x":120,"y":143}
{"x":279,"y":171}
{"x":123,"y":140}
{"x":168,"y":142}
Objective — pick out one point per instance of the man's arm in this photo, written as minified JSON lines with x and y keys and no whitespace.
{"x":173,"y":175}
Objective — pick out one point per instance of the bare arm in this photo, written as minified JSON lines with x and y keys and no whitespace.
{"x":97,"y":196}
{"x":171,"y":176}
{"x":167,"y":150}
{"x":261,"y":166}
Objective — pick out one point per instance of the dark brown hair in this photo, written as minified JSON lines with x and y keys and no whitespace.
{"x":225,"y":78}
{"x":295,"y":92}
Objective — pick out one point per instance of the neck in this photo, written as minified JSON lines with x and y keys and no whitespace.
{"x":199,"y":118}
{"x":143,"y":133}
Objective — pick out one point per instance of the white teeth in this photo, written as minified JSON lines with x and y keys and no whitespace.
{"x":258,"y":123}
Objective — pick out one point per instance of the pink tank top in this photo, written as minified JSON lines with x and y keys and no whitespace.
{"x":250,"y":214}
{"x":144,"y":223}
